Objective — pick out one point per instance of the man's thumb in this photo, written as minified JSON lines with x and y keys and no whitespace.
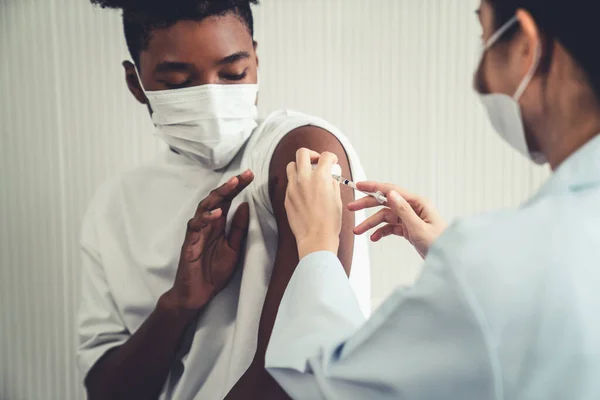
{"x":402,"y":209}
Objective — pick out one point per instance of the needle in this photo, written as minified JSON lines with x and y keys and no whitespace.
{"x":336,"y":174}
{"x":381,"y":199}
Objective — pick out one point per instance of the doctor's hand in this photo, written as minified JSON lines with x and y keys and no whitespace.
{"x":406,"y":215}
{"x":313,"y":203}
{"x":208,"y":256}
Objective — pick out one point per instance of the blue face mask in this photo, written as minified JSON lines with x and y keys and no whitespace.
{"x":504,"y":111}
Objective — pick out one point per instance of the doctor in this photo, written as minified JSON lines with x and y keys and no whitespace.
{"x":507,"y":304}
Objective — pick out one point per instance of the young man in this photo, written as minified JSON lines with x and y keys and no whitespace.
{"x":146,"y":329}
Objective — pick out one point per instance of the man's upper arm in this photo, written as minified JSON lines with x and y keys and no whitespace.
{"x":99,"y":325}
{"x":256,"y":382}
{"x":319,"y":140}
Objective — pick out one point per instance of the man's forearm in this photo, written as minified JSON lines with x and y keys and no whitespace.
{"x":256,"y":382}
{"x":139,"y":368}
{"x":285,"y":265}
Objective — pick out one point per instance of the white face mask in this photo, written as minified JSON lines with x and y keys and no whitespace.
{"x":209,"y":123}
{"x":504,"y":111}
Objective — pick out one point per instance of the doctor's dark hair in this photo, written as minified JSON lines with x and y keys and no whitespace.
{"x":141,"y":17}
{"x":573,"y":23}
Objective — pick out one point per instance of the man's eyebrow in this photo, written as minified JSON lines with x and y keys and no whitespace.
{"x":240,"y":55}
{"x":170,"y":66}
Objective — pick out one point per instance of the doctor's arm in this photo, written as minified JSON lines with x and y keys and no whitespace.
{"x":121,"y":365}
{"x":256,"y":382}
{"x":427,"y":342}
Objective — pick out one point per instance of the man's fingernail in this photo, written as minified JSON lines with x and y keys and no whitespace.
{"x":394,"y":195}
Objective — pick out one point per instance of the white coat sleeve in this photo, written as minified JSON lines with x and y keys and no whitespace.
{"x":99,"y":323}
{"x":426,"y":342}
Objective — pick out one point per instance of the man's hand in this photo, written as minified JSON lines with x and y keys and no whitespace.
{"x":209,"y":257}
{"x":139,"y":368}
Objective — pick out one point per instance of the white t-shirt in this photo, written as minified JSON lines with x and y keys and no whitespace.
{"x":131,"y":239}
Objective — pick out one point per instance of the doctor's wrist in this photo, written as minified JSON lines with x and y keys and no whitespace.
{"x":321,"y":243}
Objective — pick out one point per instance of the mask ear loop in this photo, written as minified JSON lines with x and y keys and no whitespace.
{"x":139,"y":77}
{"x":538,"y":56}
{"x":500,"y":32}
{"x":530,"y":74}
{"x":485,"y":46}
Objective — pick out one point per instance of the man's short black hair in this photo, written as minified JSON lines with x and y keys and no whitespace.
{"x":141,"y":17}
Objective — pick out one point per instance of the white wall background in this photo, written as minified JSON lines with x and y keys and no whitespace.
{"x":395,"y":75}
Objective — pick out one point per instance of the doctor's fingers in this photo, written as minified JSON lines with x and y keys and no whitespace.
{"x":419,"y":204}
{"x":382,"y":216}
{"x":406,"y":211}
{"x":304,"y":160}
{"x":291,"y":171}
{"x":365,"y":202}
{"x":326,"y":162}
{"x":223,"y":195}
{"x":387,"y":230}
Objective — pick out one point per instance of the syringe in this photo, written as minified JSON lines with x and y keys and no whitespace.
{"x":381,"y":199}
{"x":336,"y":174}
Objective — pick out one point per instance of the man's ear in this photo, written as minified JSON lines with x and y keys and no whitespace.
{"x":131,"y":78}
